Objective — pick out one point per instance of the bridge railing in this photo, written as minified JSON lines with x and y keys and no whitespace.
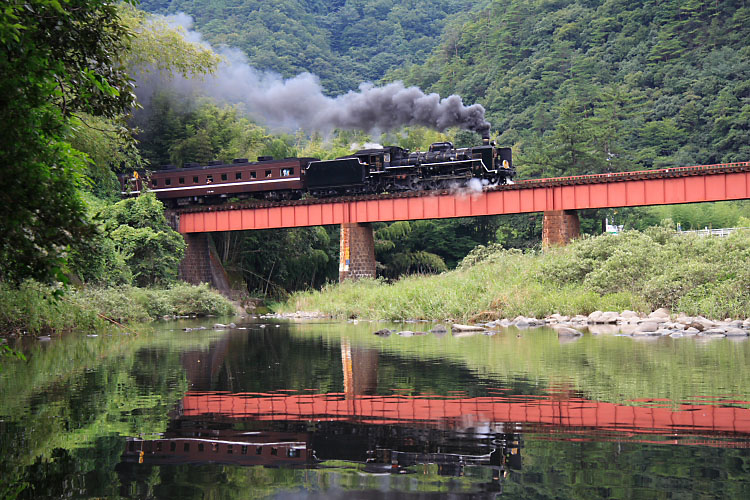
{"x":663,"y":172}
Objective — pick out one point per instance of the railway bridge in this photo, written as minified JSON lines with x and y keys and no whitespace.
{"x":558,"y":198}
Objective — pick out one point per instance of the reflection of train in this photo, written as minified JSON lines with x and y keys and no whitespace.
{"x":368,"y":171}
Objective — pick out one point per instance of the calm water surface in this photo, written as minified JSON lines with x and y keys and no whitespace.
{"x":329,"y":410}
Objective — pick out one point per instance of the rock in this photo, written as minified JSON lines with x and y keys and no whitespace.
{"x":385,"y":332}
{"x":660,"y":313}
{"x":467,"y":328}
{"x":712,"y":334}
{"x":564,"y":331}
{"x":735,"y":332}
{"x":521,"y":323}
{"x":604,"y":329}
{"x":691,"y":331}
{"x":439,"y":329}
{"x":696,"y":325}
{"x":628,"y":329}
{"x":594,"y":316}
{"x":735,"y":324}
{"x":629,"y":314}
{"x":647,"y":327}
{"x":676,"y":335}
{"x":405,"y":333}
{"x":608,"y":317}
{"x":220,"y":326}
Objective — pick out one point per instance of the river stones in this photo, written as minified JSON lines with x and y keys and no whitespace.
{"x":466,"y":328}
{"x":731,"y":331}
{"x":385,"y":332}
{"x":564,"y":331}
{"x":646,"y":327}
{"x":439,"y":329}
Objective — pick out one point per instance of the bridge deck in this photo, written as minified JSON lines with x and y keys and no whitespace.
{"x":694,"y":184}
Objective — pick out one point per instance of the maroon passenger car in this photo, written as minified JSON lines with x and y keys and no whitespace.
{"x":266,"y":178}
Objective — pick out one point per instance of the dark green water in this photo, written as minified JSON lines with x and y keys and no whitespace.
{"x":329,"y":410}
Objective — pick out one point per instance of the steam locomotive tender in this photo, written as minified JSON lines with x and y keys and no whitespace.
{"x":369,"y":171}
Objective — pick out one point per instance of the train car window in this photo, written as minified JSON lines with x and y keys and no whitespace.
{"x":244,"y":450}
{"x":293,"y":453}
{"x":200,"y":446}
{"x":286,"y":172}
{"x":158,"y":446}
{"x":229,"y":449}
{"x":209,"y":179}
{"x":268,"y":173}
{"x":186,"y":447}
{"x":215,"y":447}
{"x":154,"y":182}
{"x":223,"y":177}
{"x":274,"y":450}
{"x":167,"y":182}
{"x":182,"y":180}
{"x":238,"y":176}
{"x":252,"y":175}
{"x":258,"y":450}
{"x":172,"y":446}
{"x":195,"y":179}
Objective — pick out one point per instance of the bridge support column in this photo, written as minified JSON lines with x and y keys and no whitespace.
{"x":559,"y":227}
{"x":201,"y":264}
{"x":357,"y":252}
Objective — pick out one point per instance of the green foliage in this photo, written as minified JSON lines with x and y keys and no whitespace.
{"x":602,"y":86}
{"x":150,"y":248}
{"x":274,"y":262}
{"x":33,"y":307}
{"x":640,"y":271}
{"x":57,"y":59}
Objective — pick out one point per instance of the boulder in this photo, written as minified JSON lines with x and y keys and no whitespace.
{"x":660,"y":313}
{"x":608,"y":317}
{"x":439,"y":328}
{"x":628,"y":314}
{"x":564,"y":331}
{"x":731,"y":331}
{"x":405,"y":333}
{"x":646,"y":327}
{"x":604,"y":329}
{"x":467,"y":328}
{"x":696,"y":325}
{"x":594,"y":316}
{"x":691,"y":331}
{"x":384,"y":332}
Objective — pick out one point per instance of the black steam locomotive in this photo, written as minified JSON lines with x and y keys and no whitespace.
{"x":368,"y":171}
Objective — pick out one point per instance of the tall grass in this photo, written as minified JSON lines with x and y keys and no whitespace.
{"x":33,"y":308}
{"x":635,"y":270}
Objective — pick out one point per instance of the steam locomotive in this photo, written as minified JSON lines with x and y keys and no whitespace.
{"x":368,"y":171}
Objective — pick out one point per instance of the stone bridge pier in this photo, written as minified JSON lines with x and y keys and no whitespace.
{"x":356,"y":251}
{"x":559,"y":227}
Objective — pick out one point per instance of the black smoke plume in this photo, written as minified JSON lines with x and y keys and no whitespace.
{"x":300,"y":103}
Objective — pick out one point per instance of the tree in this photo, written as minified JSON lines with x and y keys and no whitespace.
{"x":150,"y":248}
{"x":57,"y":59}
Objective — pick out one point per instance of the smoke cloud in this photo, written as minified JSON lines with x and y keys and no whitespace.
{"x":300,"y":102}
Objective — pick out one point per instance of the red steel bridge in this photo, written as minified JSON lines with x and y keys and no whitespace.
{"x":558,"y":198}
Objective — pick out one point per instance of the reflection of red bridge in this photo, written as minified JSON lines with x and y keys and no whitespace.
{"x":470,"y":412}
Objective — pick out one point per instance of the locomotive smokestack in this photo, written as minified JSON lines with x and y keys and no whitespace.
{"x":486,"y":137}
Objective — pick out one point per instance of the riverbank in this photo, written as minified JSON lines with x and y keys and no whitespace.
{"x":635,"y":271}
{"x":32,"y":308}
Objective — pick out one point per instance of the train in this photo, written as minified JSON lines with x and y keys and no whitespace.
{"x":388,"y":169}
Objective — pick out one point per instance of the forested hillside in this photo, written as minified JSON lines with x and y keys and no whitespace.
{"x":344,"y":42}
{"x":599,"y":85}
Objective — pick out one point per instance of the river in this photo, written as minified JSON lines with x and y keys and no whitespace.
{"x":319,"y":409}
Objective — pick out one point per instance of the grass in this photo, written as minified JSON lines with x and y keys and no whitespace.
{"x":32,"y":307}
{"x":641,"y":271}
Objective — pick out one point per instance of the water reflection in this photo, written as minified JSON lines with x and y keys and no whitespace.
{"x":322,"y":409}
